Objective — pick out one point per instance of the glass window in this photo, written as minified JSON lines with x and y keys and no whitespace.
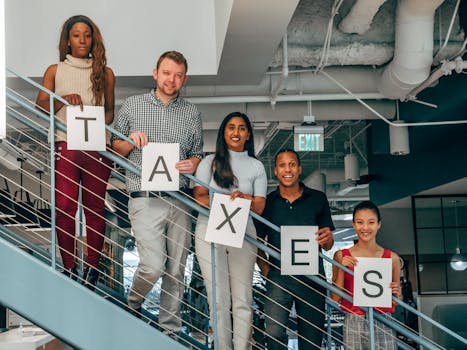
{"x":441,"y":241}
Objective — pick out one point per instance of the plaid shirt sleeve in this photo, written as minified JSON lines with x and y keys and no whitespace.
{"x":122,"y":124}
{"x":197,"y":150}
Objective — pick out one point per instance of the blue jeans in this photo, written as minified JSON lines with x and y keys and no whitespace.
{"x":282,"y":291}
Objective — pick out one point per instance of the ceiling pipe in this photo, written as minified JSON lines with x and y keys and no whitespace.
{"x":285,"y":72}
{"x":386,"y":120}
{"x":438,"y":56}
{"x":284,"y":98}
{"x":360,"y":17}
{"x":413,"y":49}
{"x":446,"y":68}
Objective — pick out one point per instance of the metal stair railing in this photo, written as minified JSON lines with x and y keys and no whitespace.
{"x":383,"y":319}
{"x":371,"y":315}
{"x":68,"y":310}
{"x":17,"y":99}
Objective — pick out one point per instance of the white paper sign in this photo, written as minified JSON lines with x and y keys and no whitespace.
{"x":227,"y":220}
{"x":158,"y":171}
{"x":372,"y":277}
{"x":86,"y":128}
{"x":299,"y":250}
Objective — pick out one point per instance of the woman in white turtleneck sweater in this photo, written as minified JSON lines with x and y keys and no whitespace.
{"x":81,"y":78}
{"x":234,"y":170}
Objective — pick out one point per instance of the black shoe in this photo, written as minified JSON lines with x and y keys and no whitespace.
{"x":90,"y":278}
{"x":72,"y":273}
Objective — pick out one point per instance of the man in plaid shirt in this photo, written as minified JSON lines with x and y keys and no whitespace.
{"x":159,"y":222}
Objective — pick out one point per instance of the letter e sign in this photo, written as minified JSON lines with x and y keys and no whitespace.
{"x":299,"y":250}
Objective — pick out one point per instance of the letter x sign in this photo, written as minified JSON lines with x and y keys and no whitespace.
{"x":227,"y":220}
{"x":86,"y":128}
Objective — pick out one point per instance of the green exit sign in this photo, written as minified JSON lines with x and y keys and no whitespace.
{"x":309,"y":138}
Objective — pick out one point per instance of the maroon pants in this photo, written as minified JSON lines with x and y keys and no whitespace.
{"x":91,"y":170}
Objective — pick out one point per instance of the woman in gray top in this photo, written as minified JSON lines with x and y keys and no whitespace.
{"x":234,"y":170}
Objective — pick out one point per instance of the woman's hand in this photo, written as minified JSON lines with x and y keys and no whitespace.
{"x":257,"y":203}
{"x":396,"y":289}
{"x":239,"y":194}
{"x":74,"y":99}
{"x":349,"y":261}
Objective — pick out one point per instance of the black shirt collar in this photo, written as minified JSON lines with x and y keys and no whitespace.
{"x":276,"y":194}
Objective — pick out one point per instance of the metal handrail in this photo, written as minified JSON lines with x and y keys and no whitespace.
{"x":193,"y":205}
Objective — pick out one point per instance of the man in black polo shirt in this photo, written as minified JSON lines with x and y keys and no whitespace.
{"x":293,"y":204}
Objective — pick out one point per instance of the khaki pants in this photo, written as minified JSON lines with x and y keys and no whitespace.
{"x":163,"y":236}
{"x":234,"y":278}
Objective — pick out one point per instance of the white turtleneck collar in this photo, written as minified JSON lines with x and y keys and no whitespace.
{"x":78,"y":62}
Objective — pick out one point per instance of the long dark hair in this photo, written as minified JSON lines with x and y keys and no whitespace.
{"x":222,"y":170}
{"x":99,"y":61}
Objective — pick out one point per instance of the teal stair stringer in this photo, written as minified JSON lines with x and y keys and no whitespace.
{"x":68,"y":310}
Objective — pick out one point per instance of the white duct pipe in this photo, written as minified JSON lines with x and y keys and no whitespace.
{"x":413,"y":51}
{"x":284,"y":98}
{"x":359,"y":19}
{"x":446,"y":68}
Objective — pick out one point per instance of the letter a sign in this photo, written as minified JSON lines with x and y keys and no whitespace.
{"x":372,"y":277}
{"x":227,"y":220}
{"x":158,"y":171}
{"x":86,"y":128}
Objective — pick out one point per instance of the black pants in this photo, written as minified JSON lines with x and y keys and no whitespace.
{"x":282,"y":291}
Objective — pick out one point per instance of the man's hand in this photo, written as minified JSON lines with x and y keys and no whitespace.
{"x":139,"y":138}
{"x":187,"y":166}
{"x":325,"y":238}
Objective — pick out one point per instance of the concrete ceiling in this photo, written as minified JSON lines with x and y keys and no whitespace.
{"x":355,"y":60}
